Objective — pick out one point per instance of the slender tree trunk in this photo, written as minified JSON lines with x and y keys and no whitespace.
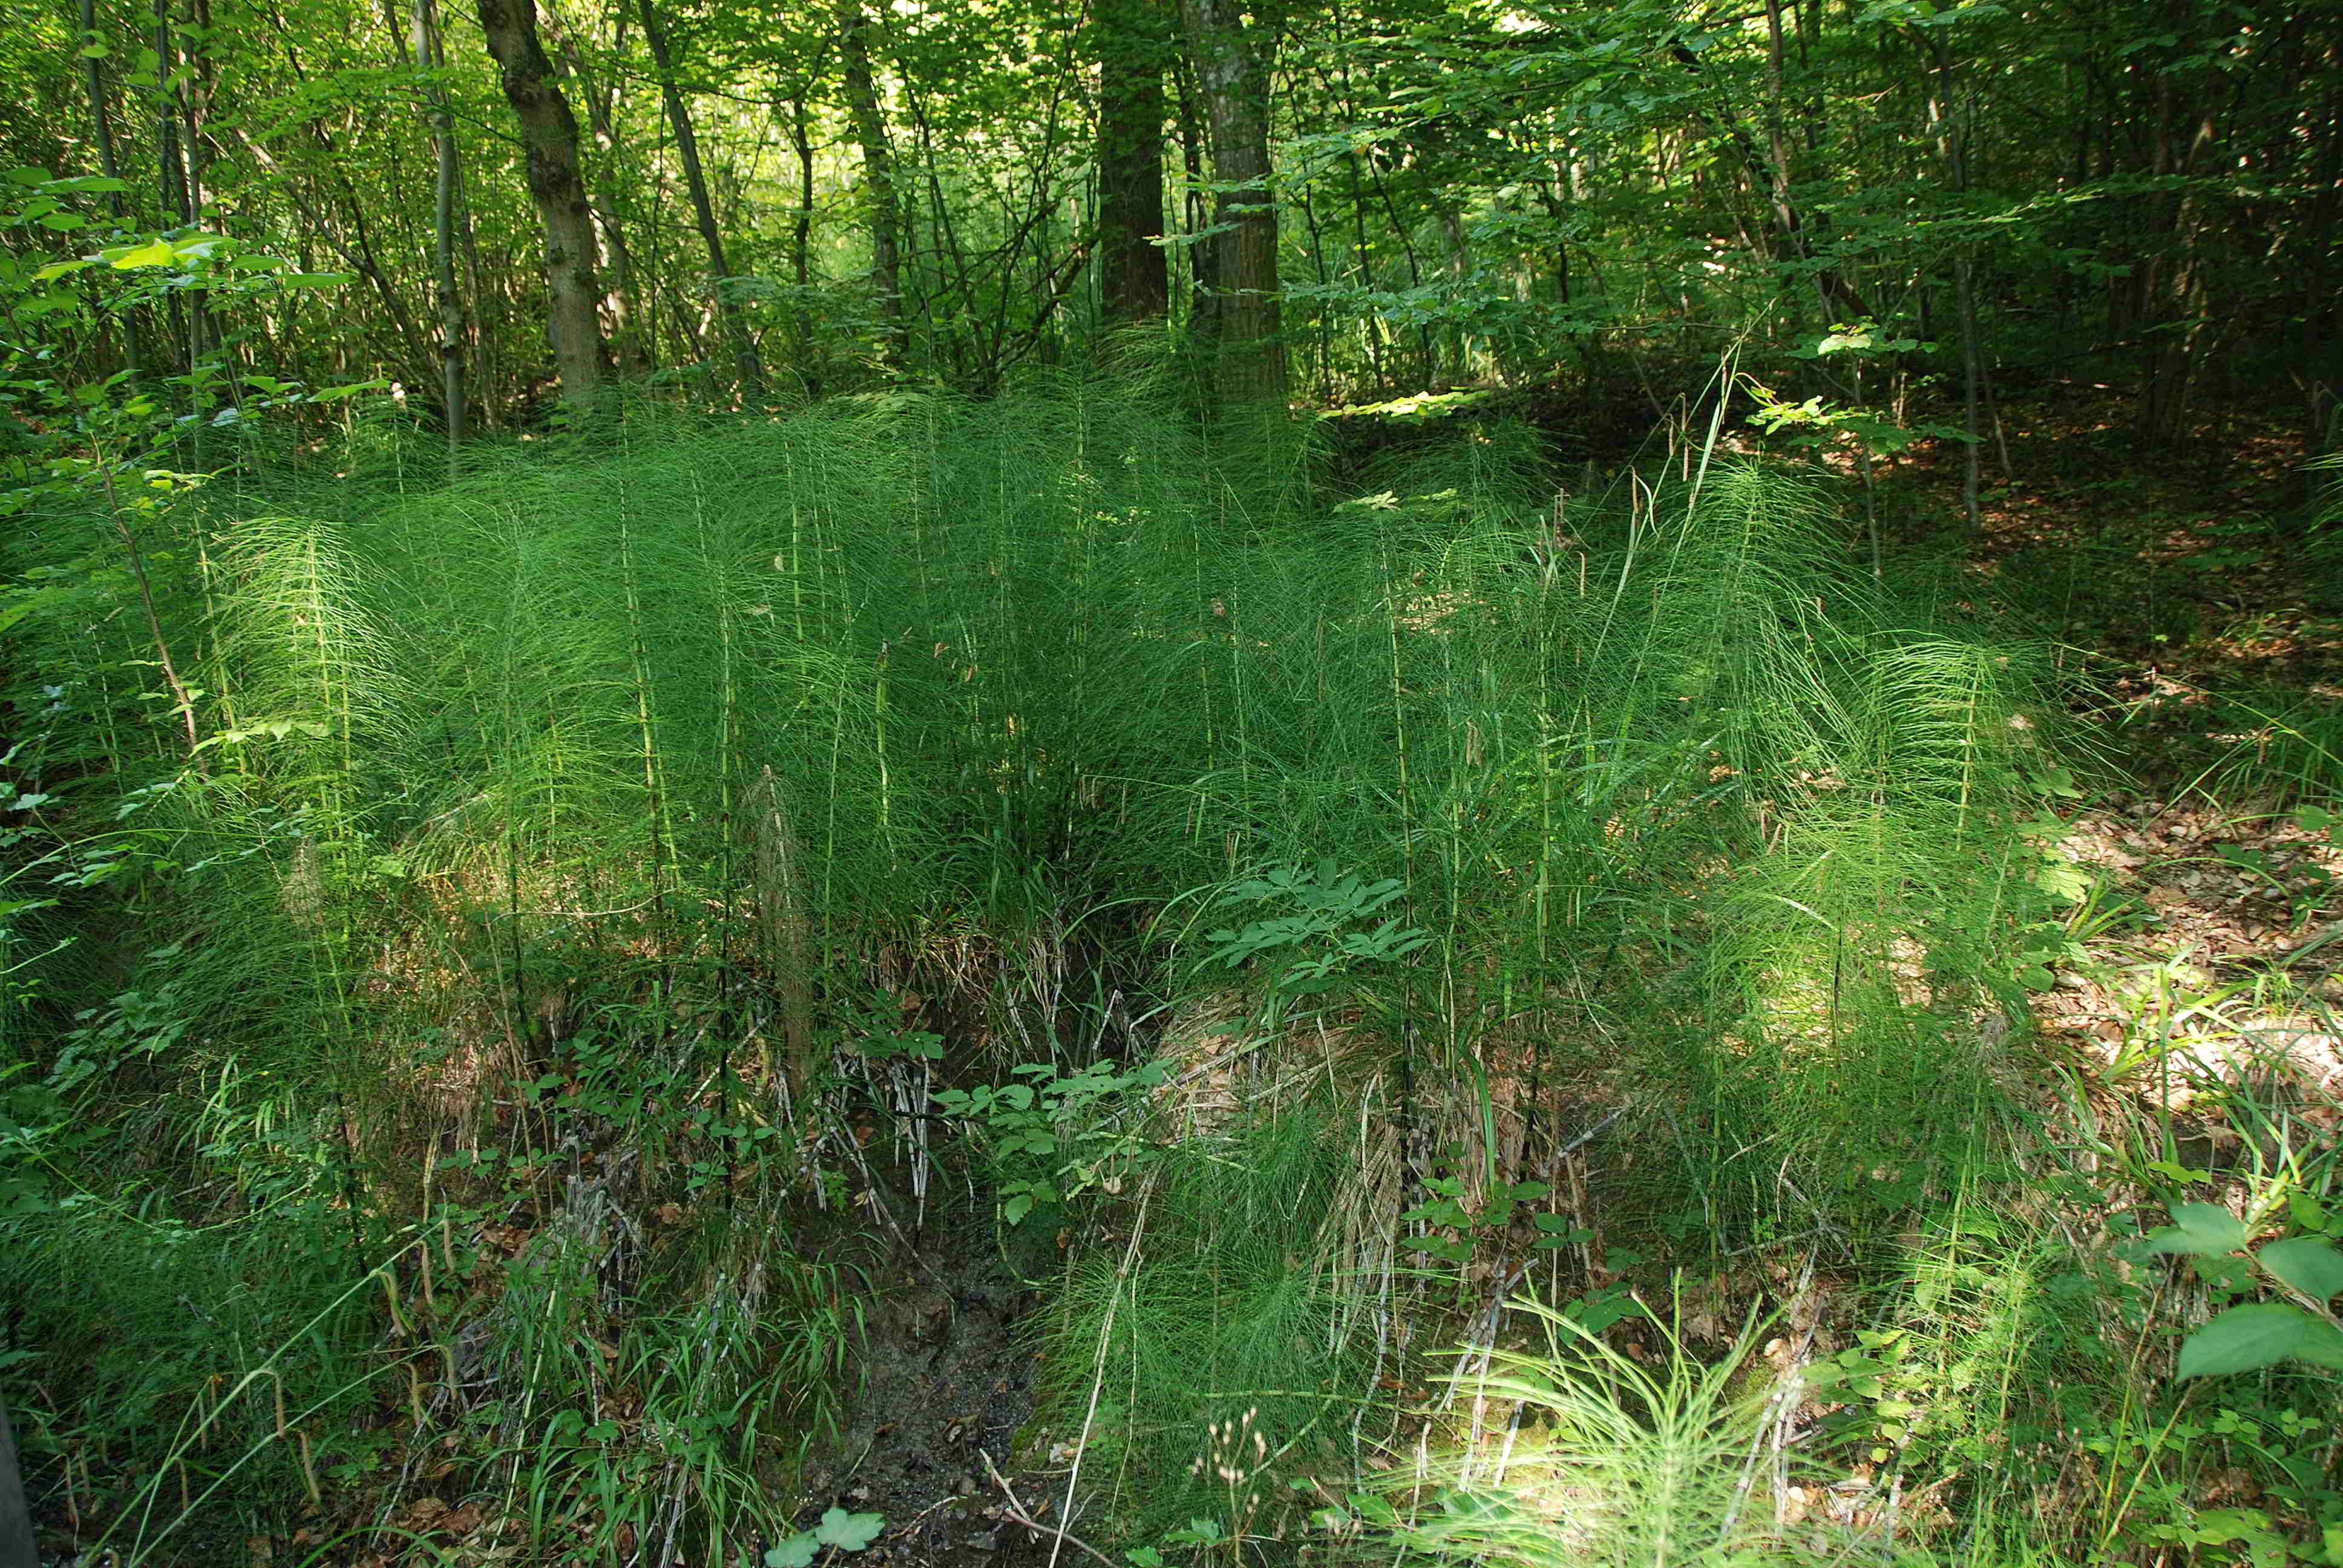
{"x":632,"y":327}
{"x":171,"y":167}
{"x":109,"y":162}
{"x":801,"y":315}
{"x":195,"y":108}
{"x":1196,"y":208}
{"x":428,"y":57}
{"x":749,"y":369}
{"x":1134,"y":281}
{"x":879,"y":195}
{"x":1231,"y":64}
{"x":1953,"y":154}
{"x":101,"y":119}
{"x":557,"y":185}
{"x":801,"y":220}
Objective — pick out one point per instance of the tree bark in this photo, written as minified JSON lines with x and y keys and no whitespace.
{"x":171,"y":169}
{"x":1231,"y":65}
{"x":18,"y":1547}
{"x":101,"y":120}
{"x":629,"y":322}
{"x":1134,"y":279}
{"x":109,"y":164}
{"x":879,"y":197}
{"x":745,"y":364}
{"x":428,"y":56}
{"x":557,"y":185}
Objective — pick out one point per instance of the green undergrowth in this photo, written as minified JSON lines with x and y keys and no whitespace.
{"x":594,"y":879}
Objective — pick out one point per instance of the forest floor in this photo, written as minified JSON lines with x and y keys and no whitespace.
{"x":2206,"y":648}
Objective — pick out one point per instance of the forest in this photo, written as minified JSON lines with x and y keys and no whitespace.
{"x":1170,"y":784}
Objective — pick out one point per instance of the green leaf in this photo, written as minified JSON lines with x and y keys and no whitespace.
{"x":2247,"y":1339}
{"x":2202,"y":1228}
{"x":798,"y":1551}
{"x":155,"y":252}
{"x":848,"y":1532}
{"x":2305,"y":1263}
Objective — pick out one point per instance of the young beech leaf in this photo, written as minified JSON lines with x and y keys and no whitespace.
{"x":155,"y":253}
{"x":2205,"y":1229}
{"x":848,"y":1532}
{"x":2247,"y":1338}
{"x":2307,"y":1263}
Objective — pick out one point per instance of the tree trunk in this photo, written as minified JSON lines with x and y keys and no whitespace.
{"x":801,"y":220}
{"x":171,"y":169}
{"x":556,"y":185}
{"x":1134,"y":281}
{"x":879,"y":195}
{"x":451,"y":303}
{"x":1953,"y":152}
{"x":745,"y":364}
{"x":631,"y":329}
{"x":18,"y":1548}
{"x":109,"y":163}
{"x":1232,"y":78}
{"x":428,"y":57}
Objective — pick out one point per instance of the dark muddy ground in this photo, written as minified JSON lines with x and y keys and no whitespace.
{"x":950,"y":1368}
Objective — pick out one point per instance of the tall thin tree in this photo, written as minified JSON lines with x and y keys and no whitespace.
{"x":430,"y":57}
{"x":879,"y":197}
{"x":746,"y":363}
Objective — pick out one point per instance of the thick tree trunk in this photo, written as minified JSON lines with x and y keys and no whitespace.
{"x":1232,"y":78}
{"x":556,"y":185}
{"x":879,"y":197}
{"x":749,"y":369}
{"x":1134,"y":280}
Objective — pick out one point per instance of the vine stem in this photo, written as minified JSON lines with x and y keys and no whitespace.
{"x":146,"y":602}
